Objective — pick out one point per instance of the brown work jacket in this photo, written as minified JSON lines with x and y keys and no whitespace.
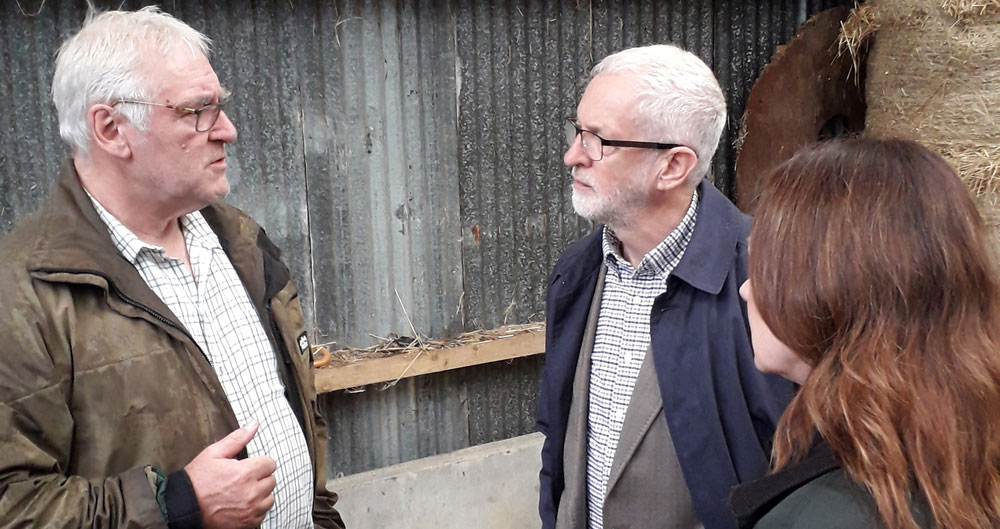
{"x":98,"y":378}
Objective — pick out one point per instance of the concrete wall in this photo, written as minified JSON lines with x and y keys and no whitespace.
{"x":490,"y":486}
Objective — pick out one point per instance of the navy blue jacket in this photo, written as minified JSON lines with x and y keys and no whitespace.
{"x":721,"y":411}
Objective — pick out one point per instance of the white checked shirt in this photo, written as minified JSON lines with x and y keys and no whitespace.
{"x":216,"y":310}
{"x":620,"y":346}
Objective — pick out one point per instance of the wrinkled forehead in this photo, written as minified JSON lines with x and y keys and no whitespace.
{"x":179,"y":73}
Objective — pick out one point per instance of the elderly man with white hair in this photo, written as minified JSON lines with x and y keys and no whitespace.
{"x":155,"y":366}
{"x":650,"y":404}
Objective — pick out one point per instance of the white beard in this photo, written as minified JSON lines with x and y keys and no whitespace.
{"x":617,"y":209}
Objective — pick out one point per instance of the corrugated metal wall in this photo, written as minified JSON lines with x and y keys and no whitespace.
{"x":407,"y":157}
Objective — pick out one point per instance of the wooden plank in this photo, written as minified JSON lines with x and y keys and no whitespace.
{"x":374,"y":370}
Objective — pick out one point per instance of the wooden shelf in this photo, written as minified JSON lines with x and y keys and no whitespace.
{"x":387,"y":369}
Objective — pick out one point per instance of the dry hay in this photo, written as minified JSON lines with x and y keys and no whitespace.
{"x":968,"y":9}
{"x":854,"y":34}
{"x":395,"y":345}
{"x":933,"y":72}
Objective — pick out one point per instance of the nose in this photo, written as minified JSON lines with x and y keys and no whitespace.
{"x":745,"y":290}
{"x":223,"y":130}
{"x":575,"y":156}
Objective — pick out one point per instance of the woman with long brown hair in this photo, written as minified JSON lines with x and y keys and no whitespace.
{"x":873,"y":285}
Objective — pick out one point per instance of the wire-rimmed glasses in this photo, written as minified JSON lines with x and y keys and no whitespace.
{"x":206,"y":116}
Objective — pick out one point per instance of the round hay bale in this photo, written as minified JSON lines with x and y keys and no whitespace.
{"x":804,"y":94}
{"x":933,"y":75}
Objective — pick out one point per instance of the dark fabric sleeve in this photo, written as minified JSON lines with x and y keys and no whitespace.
{"x":183,"y":511}
{"x":36,"y":433}
{"x":550,"y":477}
{"x":547,"y":503}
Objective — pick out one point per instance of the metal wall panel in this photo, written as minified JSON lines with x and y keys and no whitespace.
{"x":379,"y":107}
{"x":29,"y":157}
{"x":408,"y":148}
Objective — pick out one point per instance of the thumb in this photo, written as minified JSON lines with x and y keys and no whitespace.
{"x":230,"y":445}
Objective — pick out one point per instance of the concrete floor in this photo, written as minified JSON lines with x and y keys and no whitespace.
{"x":492,"y":486}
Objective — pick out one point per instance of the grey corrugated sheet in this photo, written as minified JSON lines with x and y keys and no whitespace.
{"x":377,"y":88}
{"x":409,"y":148}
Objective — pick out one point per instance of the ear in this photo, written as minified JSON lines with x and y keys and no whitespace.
{"x":675,"y":167}
{"x":106,"y":131}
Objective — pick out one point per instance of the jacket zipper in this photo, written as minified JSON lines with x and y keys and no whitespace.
{"x":157,"y":315}
{"x":112,"y":289}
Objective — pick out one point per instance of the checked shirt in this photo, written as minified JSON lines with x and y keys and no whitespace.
{"x":620,"y":346}
{"x":217,"y":312}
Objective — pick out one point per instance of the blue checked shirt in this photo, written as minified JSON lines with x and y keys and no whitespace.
{"x":620,"y":346}
{"x":216,"y":310}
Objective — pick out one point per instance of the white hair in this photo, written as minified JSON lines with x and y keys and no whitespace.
{"x":103,"y":62}
{"x":678,"y":98}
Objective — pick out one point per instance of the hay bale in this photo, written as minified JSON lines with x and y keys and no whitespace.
{"x":933,"y":75}
{"x":806,"y":92}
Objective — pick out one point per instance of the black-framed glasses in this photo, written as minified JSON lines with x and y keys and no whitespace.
{"x":593,"y":145}
{"x":205,"y":116}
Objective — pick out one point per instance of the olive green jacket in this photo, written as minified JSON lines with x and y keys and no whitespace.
{"x":831,"y":501}
{"x":98,"y":378}
{"x":813,"y":494}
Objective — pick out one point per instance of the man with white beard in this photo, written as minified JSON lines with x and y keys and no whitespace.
{"x":650,"y":403}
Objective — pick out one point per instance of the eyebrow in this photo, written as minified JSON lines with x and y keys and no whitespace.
{"x":206,"y":99}
{"x":595,"y":130}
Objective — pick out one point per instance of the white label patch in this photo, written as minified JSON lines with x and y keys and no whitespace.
{"x":303,"y":343}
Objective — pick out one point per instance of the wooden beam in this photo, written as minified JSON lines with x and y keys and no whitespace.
{"x":387,"y":369}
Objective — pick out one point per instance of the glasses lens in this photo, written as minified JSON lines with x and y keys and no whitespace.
{"x":570,"y":130}
{"x":591,"y":145}
{"x":208,"y":116}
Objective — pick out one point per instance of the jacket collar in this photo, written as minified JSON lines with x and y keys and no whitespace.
{"x":73,"y":239}
{"x":73,"y":244}
{"x":717,"y":232}
{"x":751,"y":501}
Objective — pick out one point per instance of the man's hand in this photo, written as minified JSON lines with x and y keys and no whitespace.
{"x":232,"y":493}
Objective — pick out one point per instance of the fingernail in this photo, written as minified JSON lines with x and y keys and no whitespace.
{"x":250,"y":425}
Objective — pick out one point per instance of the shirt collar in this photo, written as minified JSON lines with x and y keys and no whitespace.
{"x":196,"y":232}
{"x":662,"y":259}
